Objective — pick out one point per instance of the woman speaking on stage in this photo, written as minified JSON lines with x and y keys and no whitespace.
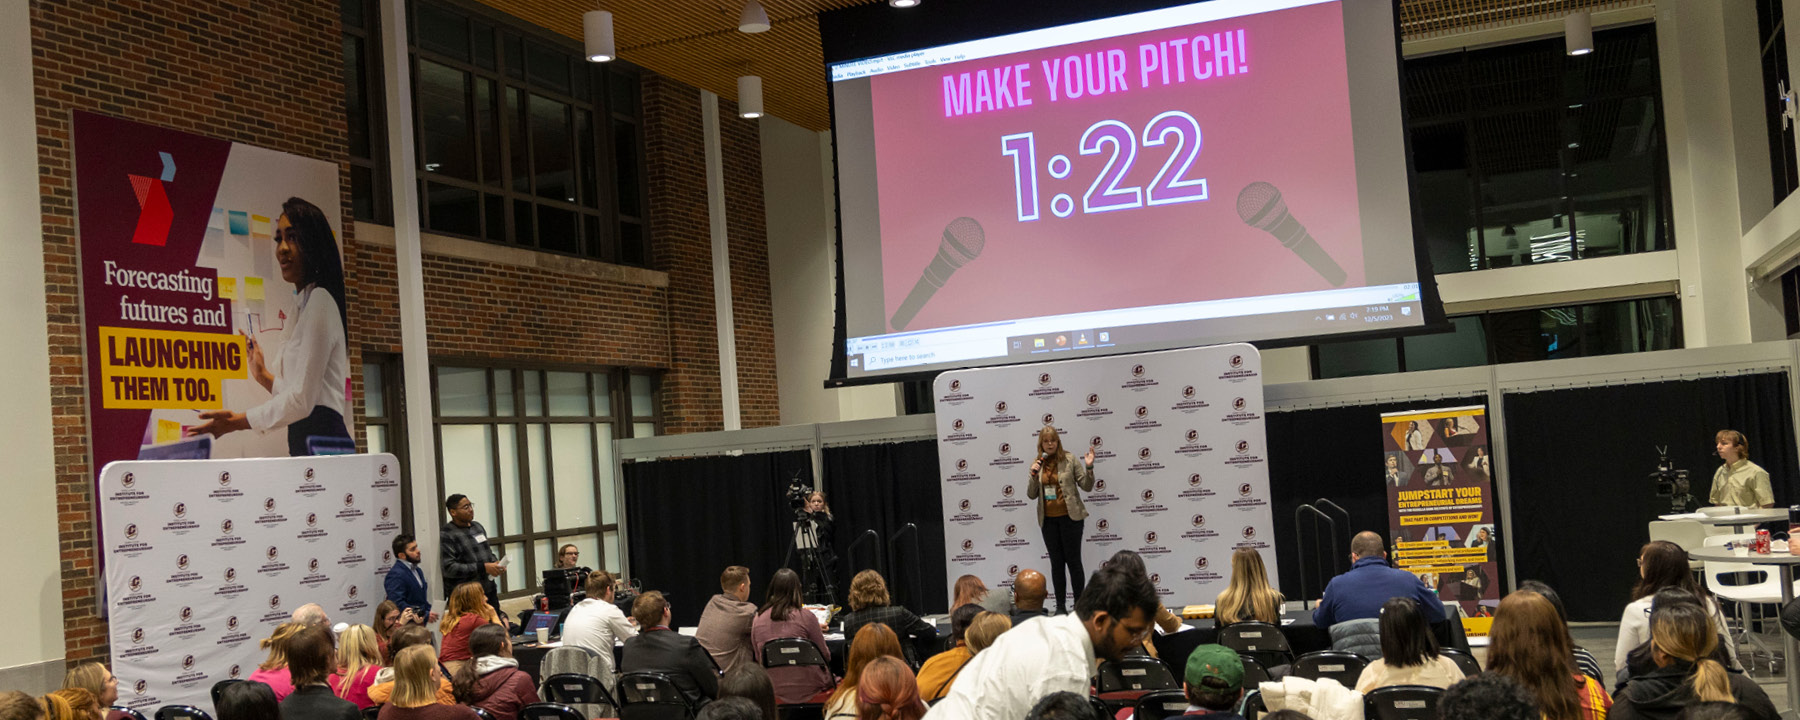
{"x":1057,"y":481}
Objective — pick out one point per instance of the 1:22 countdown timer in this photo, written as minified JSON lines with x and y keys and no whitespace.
{"x":1171,"y":184}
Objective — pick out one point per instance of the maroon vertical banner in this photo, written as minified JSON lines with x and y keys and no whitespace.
{"x":1441,"y":510}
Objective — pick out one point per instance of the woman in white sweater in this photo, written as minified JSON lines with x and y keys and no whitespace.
{"x":1661,"y":564}
{"x":1409,"y":652}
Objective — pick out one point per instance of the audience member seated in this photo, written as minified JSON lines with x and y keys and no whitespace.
{"x":1214,"y":683}
{"x":1488,"y":696}
{"x":387,"y":621}
{"x":936,"y":674}
{"x":468,"y":609}
{"x":968,"y":589}
{"x":596,"y":623}
{"x":406,"y":637}
{"x":1530,"y":644}
{"x":1248,"y":598}
{"x":872,"y":641}
{"x":1057,"y":653}
{"x":1165,"y":620}
{"x":750,"y":682}
{"x":274,"y":670}
{"x":660,"y":649}
{"x":1584,"y":660}
{"x":1286,"y":715}
{"x":1409,"y":652}
{"x":888,"y":691}
{"x":1063,"y":706}
{"x":1681,"y":641}
{"x":984,"y":630}
{"x":1661,"y":564}
{"x":730,"y":709}
{"x":1713,"y":711}
{"x":869,"y":603}
{"x":1029,"y":593}
{"x":1359,"y":593}
{"x":416,"y":684}
{"x":310,"y":614}
{"x":247,"y":701}
{"x":82,"y":705}
{"x":311,"y":656}
{"x":725,"y":623}
{"x":54,"y":707}
{"x":783,"y":616}
{"x":493,"y":680}
{"x":1641,"y":660}
{"x":15,"y":705}
{"x":95,"y":678}
{"x":359,"y":661}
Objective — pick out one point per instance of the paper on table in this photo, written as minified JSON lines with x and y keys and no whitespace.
{"x":688,"y":631}
{"x":1682,"y":516}
{"x":1287,"y":621}
{"x":253,"y":288}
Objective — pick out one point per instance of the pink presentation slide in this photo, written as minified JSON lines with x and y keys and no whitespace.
{"x":1107,"y":174}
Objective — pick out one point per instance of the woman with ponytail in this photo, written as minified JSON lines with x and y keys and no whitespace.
{"x":493,"y":680}
{"x":1682,"y":643}
{"x":888,"y":691}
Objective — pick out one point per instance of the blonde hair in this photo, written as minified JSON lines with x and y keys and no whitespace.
{"x":1049,"y":433}
{"x":89,"y":676}
{"x":868,"y":590}
{"x":1735,"y":438}
{"x":1249,"y":596}
{"x":984,"y":629}
{"x":1684,"y":632}
{"x":276,"y":644}
{"x":81,"y":702}
{"x":56,"y":707}
{"x":357,"y":651}
{"x":467,"y":599}
{"x":413,"y":686}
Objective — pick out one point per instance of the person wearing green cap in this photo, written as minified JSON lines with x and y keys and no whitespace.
{"x":1215,"y":683}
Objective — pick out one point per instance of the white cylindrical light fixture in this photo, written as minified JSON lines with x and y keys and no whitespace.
{"x":1578,"y":32}
{"x":597,"y":36}
{"x":750,"y":104}
{"x":754,"y":19}
{"x":903,"y":3}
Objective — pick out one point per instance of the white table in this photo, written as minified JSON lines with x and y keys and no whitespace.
{"x":1751,"y":517}
{"x":1784,"y":563}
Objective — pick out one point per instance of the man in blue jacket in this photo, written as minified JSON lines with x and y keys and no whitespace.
{"x":1360,"y":592}
{"x":405,"y":582}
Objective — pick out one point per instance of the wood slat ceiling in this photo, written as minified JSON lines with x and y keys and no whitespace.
{"x":697,"y":42}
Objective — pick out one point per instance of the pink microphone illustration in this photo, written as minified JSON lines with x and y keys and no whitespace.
{"x":963,"y":240}
{"x":1261,"y":207}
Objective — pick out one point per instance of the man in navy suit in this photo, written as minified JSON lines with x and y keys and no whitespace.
{"x":405,"y":582}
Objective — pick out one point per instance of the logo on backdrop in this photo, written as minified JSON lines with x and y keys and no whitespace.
{"x":1050,"y":419}
{"x":1192,"y":447}
{"x":137,"y":636}
{"x":1198,"y":529}
{"x":1190,"y":400}
{"x":1093,"y":411}
{"x":955,"y":386}
{"x":1103,"y":534}
{"x":131,"y":531}
{"x":1000,"y":407}
{"x":129,"y":481}
{"x":180,"y":510}
{"x":1044,"y":389}
{"x":957,"y":434}
{"x":1100,"y":497}
{"x":1148,"y":506}
{"x":136,"y":583}
{"x":1139,"y":380}
{"x":1008,"y":499}
{"x":1202,"y":571}
{"x":1044,"y":379}
{"x":1145,"y":465}
{"x":1249,"y":533}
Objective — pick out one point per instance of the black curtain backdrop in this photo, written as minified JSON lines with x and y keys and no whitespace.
{"x":690,"y":519}
{"x":882,"y":488}
{"x":1331,"y":453}
{"x":1579,"y":465}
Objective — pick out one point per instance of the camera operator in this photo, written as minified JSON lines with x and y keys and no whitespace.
{"x":818,"y":513}
{"x":562,"y":581}
{"x":1739,"y":482}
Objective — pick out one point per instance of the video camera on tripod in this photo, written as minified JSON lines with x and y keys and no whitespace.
{"x":1671,"y":483}
{"x":815,"y":575}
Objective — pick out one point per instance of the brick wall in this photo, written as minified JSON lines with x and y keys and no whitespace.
{"x":269,"y":74}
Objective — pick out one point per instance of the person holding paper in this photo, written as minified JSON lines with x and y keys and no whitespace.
{"x":1055,"y":480}
{"x":467,"y":556}
{"x":308,"y":379}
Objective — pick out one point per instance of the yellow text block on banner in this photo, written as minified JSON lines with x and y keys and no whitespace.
{"x":1477,"y":626}
{"x":1474,"y":554}
{"x":1418,"y":544}
{"x":1441,"y":518}
{"x":1415,"y":567}
{"x":163,"y":369}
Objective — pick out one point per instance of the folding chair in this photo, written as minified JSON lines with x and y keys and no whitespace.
{"x":794,"y":652}
{"x":1160,"y":704}
{"x":652,"y":696}
{"x":1258,"y":640}
{"x":1464,"y":661}
{"x":549,"y":711}
{"x":181,"y":712}
{"x":1122,"y":682}
{"x":1402,"y":702}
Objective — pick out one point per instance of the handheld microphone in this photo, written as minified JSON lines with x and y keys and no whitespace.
{"x":963,"y":240}
{"x":1261,"y":207}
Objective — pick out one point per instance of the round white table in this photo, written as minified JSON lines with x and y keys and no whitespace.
{"x":1784,"y":564}
{"x":1749,"y":518}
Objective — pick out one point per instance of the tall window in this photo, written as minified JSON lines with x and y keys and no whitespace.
{"x":1524,"y":155}
{"x":1772,"y":32}
{"x":369,"y":197}
{"x":533,"y":451}
{"x":1608,"y":328}
{"x":522,"y":141}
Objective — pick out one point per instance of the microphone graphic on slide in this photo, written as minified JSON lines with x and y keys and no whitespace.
{"x":963,"y":240}
{"x":1261,"y":207}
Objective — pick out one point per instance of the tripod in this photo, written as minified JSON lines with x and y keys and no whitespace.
{"x":815,"y":577}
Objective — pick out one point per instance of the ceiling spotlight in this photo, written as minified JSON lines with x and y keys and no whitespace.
{"x":1578,"y":32}
{"x":750,"y":104}
{"x":754,"y":19}
{"x":903,"y":3}
{"x":597,"y":36}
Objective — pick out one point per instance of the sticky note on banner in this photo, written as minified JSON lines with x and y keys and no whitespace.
{"x":259,"y":225}
{"x":253,"y":288}
{"x":240,"y":222}
{"x":217,"y":221}
{"x":167,"y":431}
{"x":228,"y":288}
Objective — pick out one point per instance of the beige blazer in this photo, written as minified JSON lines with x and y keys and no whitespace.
{"x":1070,"y":474}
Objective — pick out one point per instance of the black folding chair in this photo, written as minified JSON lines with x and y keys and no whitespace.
{"x":1160,"y":704}
{"x":218,"y":689}
{"x":652,"y":696}
{"x":1344,"y":667}
{"x":575,"y":689}
{"x":1121,"y":682}
{"x":1254,"y":706}
{"x":1464,"y":661}
{"x":1101,"y":711}
{"x":796,"y":652}
{"x":549,"y":711}
{"x":1258,"y":640}
{"x":128,"y":712}
{"x":1402,"y":702}
{"x":181,"y":712}
{"x":372,"y":713}
{"x":482,"y":713}
{"x":1254,"y":672}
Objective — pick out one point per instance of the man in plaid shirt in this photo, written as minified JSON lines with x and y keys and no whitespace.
{"x":466,"y":555}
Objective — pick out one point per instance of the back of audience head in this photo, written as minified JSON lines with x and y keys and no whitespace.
{"x":969,"y":589}
{"x":1530,"y":644}
{"x":1062,"y":705}
{"x":311,"y":655}
{"x":599,"y":585}
{"x":486,"y":641}
{"x":1674,"y":596}
{"x":1663,"y":564}
{"x":1286,"y":715}
{"x":783,"y":597}
{"x":960,"y":619}
{"x":1487,"y":696}
{"x":82,"y":704}
{"x":357,"y":649}
{"x":1406,"y":639}
{"x":1126,"y":559}
{"x":276,"y":643}
{"x":984,"y":629}
{"x":888,"y":691}
{"x":872,"y":641}
{"x":1367,"y":544}
{"x":868,"y":589}
{"x":407,"y":637}
{"x":1549,"y":594}
{"x":1029,"y":590}
{"x":57,"y":708}
{"x":750,"y":682}
{"x":415,"y":677}
{"x":95,"y":678}
{"x":1685,"y":633}
{"x":735,"y":579}
{"x":1214,"y":678}
{"x":649,"y":609}
{"x":248,"y":700}
{"x":1249,"y":596}
{"x":311,"y":614}
{"x":730,"y":708}
{"x":1123,"y":592}
{"x":15,"y":705}
{"x":1713,"y":711}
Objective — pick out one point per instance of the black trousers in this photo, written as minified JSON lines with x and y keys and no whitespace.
{"x":1062,"y":537}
